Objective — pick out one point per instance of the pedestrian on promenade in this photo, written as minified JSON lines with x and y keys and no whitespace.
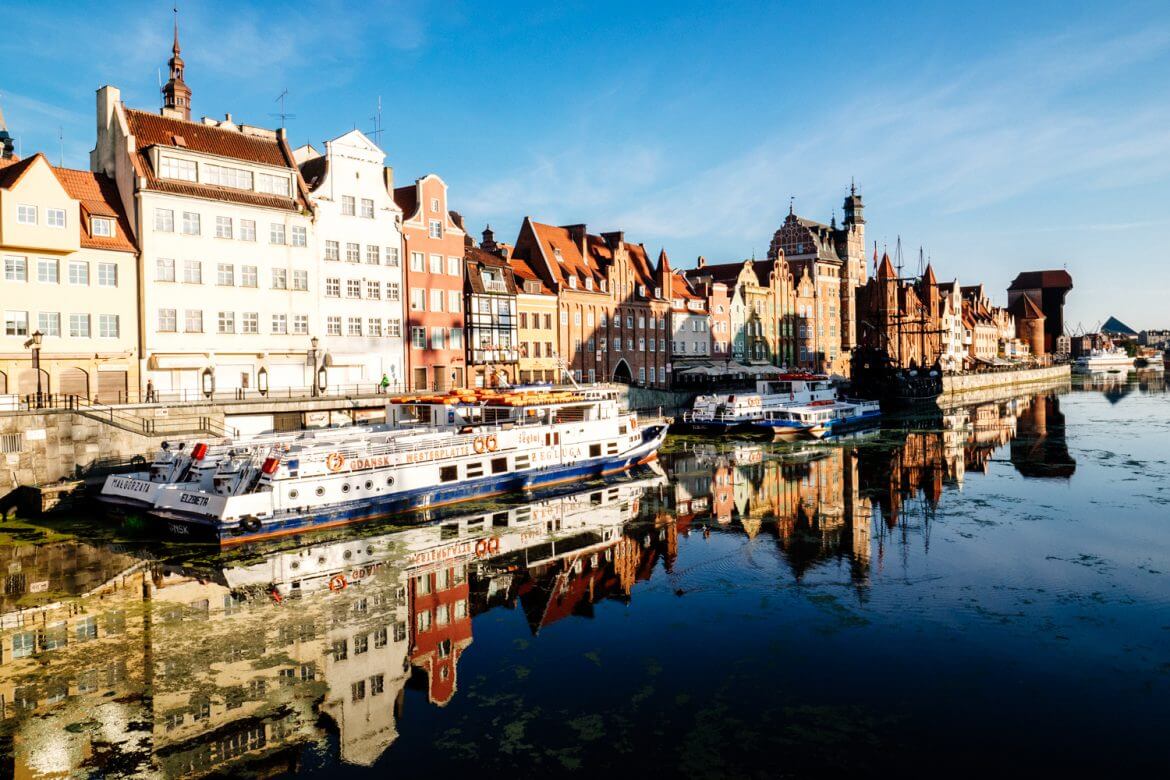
{"x":150,"y":391}
{"x":384,"y":385}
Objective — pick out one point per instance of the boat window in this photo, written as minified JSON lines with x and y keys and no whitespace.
{"x":448,"y":531}
{"x":389,"y":480}
{"x":621,"y":430}
{"x":293,"y":493}
{"x":448,"y":473}
{"x":320,"y":491}
{"x":500,"y":519}
{"x":369,"y":484}
{"x":595,"y":450}
{"x":345,"y":488}
{"x":474,"y":470}
{"x":499,"y":465}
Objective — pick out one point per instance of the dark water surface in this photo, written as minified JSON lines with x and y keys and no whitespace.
{"x":983,"y":589}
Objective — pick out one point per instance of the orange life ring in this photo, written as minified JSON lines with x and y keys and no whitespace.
{"x":478,"y":444}
{"x":334,"y":461}
{"x":337,"y":582}
{"x":491,"y":443}
{"x":487,"y":547}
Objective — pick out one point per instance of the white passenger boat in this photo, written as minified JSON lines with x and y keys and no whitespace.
{"x":739,"y":412}
{"x":820,"y":418}
{"x":1097,"y":361}
{"x":470,"y":445}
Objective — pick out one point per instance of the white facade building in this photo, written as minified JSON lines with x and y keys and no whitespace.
{"x":358,"y":240}
{"x":227,"y":269}
{"x":690,"y":327}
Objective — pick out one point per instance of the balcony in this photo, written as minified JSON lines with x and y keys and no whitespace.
{"x":480,"y":356}
{"x":495,"y":286}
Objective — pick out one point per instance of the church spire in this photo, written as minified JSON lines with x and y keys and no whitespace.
{"x":176,"y":93}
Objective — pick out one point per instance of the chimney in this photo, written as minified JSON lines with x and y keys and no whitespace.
{"x":702,"y":262}
{"x":577,"y":234}
{"x":614,"y":238}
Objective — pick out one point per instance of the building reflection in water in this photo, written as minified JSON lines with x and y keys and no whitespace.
{"x":118,"y":662}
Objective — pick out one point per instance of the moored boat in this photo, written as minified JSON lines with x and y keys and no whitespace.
{"x":459,"y":446}
{"x":1103,"y":360}
{"x":739,"y":412}
{"x":819,"y":419}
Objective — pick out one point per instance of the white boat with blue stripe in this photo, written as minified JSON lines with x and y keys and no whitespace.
{"x":433,"y":451}
{"x":741,"y":412}
{"x":819,"y":419}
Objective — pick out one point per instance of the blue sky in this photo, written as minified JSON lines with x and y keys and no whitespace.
{"x":999,"y":136}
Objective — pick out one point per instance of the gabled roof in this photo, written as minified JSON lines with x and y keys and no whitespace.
{"x":476,"y":256}
{"x":681,"y":287}
{"x":564,"y":255}
{"x":11,"y":171}
{"x":98,"y":196}
{"x":407,"y":199}
{"x":524,"y":273}
{"x":1115,"y":326}
{"x":233,"y":144}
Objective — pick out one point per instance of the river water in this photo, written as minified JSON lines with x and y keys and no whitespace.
{"x":986,"y":588}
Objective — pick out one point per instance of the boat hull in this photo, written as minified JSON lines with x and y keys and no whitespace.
{"x":199,"y":528}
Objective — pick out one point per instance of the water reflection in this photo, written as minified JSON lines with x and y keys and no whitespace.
{"x":171,"y":662}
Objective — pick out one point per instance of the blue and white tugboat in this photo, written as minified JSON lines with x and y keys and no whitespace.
{"x":449,"y":448}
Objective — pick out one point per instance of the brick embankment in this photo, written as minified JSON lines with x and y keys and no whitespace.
{"x":965,"y":384}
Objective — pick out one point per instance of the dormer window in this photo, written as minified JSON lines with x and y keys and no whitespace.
{"x":101,"y":226}
{"x":589,"y":284}
{"x":642,"y":290}
{"x":657,"y":292}
{"x":174,"y":168}
{"x":272,"y":184}
{"x":557,"y":254}
{"x":573,"y":282}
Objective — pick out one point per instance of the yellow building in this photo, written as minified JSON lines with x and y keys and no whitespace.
{"x":70,"y":275}
{"x":536,"y":307}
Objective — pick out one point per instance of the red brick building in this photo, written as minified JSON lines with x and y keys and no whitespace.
{"x":900,"y":318}
{"x":433,"y":239}
{"x":441,"y":628}
{"x":611,"y":300}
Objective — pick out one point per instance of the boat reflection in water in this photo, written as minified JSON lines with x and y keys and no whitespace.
{"x":124,"y":662}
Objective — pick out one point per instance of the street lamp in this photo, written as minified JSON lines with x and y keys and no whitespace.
{"x":34,"y":343}
{"x":313,"y":361}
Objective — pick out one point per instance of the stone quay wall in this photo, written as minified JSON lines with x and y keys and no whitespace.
{"x":964,"y":384}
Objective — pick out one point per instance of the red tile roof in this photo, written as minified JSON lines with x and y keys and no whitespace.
{"x":1031,"y":280}
{"x":407,"y":199}
{"x":525,"y":274}
{"x":155,"y":130}
{"x":98,"y":195}
{"x":570,"y":261}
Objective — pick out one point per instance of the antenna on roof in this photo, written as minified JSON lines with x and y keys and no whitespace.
{"x":161,"y":98}
{"x":377,"y":120}
{"x":61,"y":147}
{"x":282,"y":113}
{"x":921,"y":262}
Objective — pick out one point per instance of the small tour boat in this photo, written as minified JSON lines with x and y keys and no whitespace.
{"x":738,"y":412}
{"x":1112,"y":360}
{"x":819,"y":419}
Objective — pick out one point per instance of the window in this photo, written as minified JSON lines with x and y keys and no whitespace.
{"x":301,"y":324}
{"x":48,"y":271}
{"x":107,"y":275}
{"x":247,"y":230}
{"x":272,"y":184}
{"x":418,"y":337}
{"x":226,"y":322}
{"x":436,"y":300}
{"x":16,"y":269}
{"x":192,"y":272}
{"x":418,"y":262}
{"x":373,"y":254}
{"x":220,"y":176}
{"x":368,"y":208}
{"x":434,"y":204}
{"x":78,"y":272}
{"x":164,"y":220}
{"x":340,"y":650}
{"x":499,"y":465}
{"x":223,"y":227}
{"x":300,"y":235}
{"x":353,"y":253}
{"x":435,"y":228}
{"x":456,"y":338}
{"x":191,"y":225}
{"x":55,"y":218}
{"x":49,"y":323}
{"x":333,"y":326}
{"x":280,"y":324}
{"x":393,"y":291}
{"x":374,"y":290}
{"x":361,"y":644}
{"x":167,"y":321}
{"x":225,"y":275}
{"x":26,"y":215}
{"x":454,"y":266}
{"x":248,"y":276}
{"x":353,"y":288}
{"x":300,"y":280}
{"x":394,"y":328}
{"x":448,"y":473}
{"x":174,"y":168}
{"x":250,"y":322}
{"x":438,"y":338}
{"x":193,"y":321}
{"x":79,"y":326}
{"x":332,"y":250}
{"x":347,"y":205}
{"x":374,"y":327}
{"x":418,"y":300}
{"x":392,"y":258}
{"x":279,"y":279}
{"x":108,"y":326}
{"x":16,"y":323}
{"x":436,"y":264}
{"x":354,"y":326}
{"x":332,"y":287}
{"x":453,"y":301}
{"x":276,"y":233}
